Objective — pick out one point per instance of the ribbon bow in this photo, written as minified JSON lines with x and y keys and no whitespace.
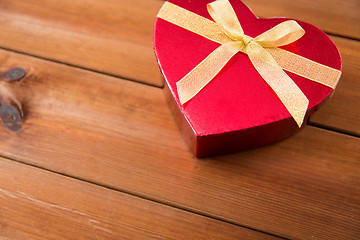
{"x":285,"y":33}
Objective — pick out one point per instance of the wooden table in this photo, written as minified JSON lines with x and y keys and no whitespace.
{"x":99,"y":155}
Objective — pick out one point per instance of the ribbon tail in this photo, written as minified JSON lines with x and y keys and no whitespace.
{"x":204,"y":72}
{"x":288,"y":92}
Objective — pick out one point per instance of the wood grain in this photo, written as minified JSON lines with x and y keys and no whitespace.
{"x":121,"y":134}
{"x":113,"y":37}
{"x":333,"y":16}
{"x":342,"y":112}
{"x":36,"y":204}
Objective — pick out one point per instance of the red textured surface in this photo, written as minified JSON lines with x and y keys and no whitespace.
{"x":238,"y":99}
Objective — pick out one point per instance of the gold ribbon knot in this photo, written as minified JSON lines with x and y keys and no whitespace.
{"x":261,"y":51}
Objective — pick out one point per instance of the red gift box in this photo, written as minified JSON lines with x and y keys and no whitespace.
{"x":237,"y":110}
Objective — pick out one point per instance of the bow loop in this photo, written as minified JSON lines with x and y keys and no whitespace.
{"x":224,"y":15}
{"x":282,"y":34}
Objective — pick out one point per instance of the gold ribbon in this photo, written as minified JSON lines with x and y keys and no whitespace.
{"x":262,"y":50}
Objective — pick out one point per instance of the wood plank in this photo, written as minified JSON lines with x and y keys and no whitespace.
{"x":36,"y":204}
{"x":121,"y":134}
{"x":333,"y":16}
{"x":342,"y":112}
{"x":114,"y":37}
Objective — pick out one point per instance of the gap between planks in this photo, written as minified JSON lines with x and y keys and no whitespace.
{"x":82,"y":68}
{"x":333,"y":129}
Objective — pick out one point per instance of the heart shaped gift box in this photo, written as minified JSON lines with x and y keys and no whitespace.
{"x":237,"y":109}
